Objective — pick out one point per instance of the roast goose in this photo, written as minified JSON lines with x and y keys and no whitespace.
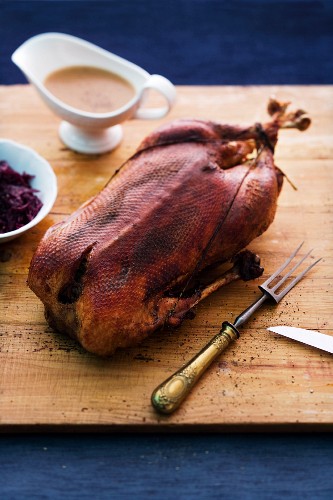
{"x":129,"y":261}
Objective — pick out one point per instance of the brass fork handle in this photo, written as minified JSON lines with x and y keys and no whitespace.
{"x":167,"y":397}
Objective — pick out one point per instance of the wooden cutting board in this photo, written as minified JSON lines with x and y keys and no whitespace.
{"x":263,"y":381}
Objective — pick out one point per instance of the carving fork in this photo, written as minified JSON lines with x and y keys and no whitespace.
{"x":167,"y":397}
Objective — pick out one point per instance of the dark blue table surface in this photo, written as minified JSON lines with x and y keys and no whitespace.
{"x":191,"y":42}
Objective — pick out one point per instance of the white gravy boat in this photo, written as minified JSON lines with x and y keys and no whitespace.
{"x":84,"y":131}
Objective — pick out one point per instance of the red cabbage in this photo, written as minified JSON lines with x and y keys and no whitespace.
{"x":18,"y":202}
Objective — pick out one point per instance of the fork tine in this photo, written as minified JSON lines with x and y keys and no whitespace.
{"x":284,"y":265}
{"x":296,"y":280}
{"x":284,"y":278}
{"x":268,"y":292}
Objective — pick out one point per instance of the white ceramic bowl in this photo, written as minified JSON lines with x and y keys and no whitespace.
{"x":24,"y":159}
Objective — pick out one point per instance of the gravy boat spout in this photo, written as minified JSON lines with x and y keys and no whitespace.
{"x":89,"y":131}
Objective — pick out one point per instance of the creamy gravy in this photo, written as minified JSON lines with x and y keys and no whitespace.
{"x":90,"y":89}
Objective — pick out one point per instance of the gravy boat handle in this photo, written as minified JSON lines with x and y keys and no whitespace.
{"x":164,"y":87}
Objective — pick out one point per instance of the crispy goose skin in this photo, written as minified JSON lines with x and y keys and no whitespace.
{"x":123,"y":264}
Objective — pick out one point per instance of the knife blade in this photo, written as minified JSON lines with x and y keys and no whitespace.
{"x":309,"y":337}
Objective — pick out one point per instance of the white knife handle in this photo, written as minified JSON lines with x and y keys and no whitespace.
{"x":167,"y":397}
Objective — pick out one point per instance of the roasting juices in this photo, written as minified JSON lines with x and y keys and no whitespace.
{"x":89,"y":89}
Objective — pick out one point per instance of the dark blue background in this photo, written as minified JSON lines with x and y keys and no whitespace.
{"x":168,"y":467}
{"x":190,"y":42}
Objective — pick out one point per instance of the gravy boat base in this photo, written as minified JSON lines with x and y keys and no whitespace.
{"x":90,"y":141}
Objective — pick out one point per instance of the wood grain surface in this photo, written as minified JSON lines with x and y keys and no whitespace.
{"x":263,"y":381}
